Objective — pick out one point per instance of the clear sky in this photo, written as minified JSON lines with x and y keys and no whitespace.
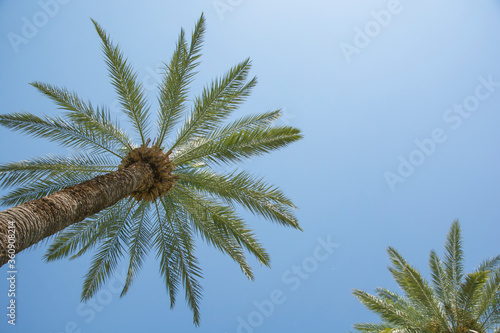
{"x":399,"y":102}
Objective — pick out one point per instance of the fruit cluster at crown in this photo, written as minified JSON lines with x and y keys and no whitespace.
{"x":163,"y":180}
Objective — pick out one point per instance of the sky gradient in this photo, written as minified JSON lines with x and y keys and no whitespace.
{"x":399,"y":104}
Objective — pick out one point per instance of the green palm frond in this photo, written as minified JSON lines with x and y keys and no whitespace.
{"x":416,"y":287}
{"x":164,"y":243}
{"x":32,"y":192}
{"x":179,"y":74}
{"x":248,"y":122}
{"x":57,"y":129}
{"x":469,"y":292}
{"x":139,"y":243}
{"x":441,"y":285}
{"x":199,"y":147}
{"x":374,"y":328}
{"x":225,"y":219}
{"x":206,"y":222}
{"x":54,"y":167}
{"x":37,"y":190}
{"x":244,"y":189}
{"x":403,"y":305}
{"x":490,"y":264}
{"x":45,"y":175}
{"x":386,"y":310}
{"x":237,"y":146}
{"x":453,"y":261}
{"x":491,"y":318}
{"x":397,"y":300}
{"x":105,"y":261}
{"x":489,"y":302}
{"x":85,"y":235}
{"x":124,"y":79}
{"x":82,"y":113}
{"x":216,"y":103}
{"x":185,"y":265}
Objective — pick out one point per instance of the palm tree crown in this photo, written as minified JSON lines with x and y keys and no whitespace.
{"x":454,"y":303}
{"x":187,"y":197}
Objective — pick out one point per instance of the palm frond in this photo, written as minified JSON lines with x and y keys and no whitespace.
{"x":186,"y":265}
{"x":489,"y":299}
{"x":164,"y":243}
{"x":387,"y":311}
{"x":442,"y":287}
{"x":179,"y":74}
{"x":105,"y":261}
{"x":489,"y":264}
{"x":489,"y":303}
{"x":249,"y":122}
{"x":398,"y":301}
{"x":416,"y":287}
{"x":56,"y":129}
{"x":40,"y":189}
{"x":139,"y":243}
{"x":469,"y":292}
{"x":82,"y":113}
{"x":124,"y":79}
{"x":213,"y":234}
{"x":225,"y":219}
{"x":373,"y":328}
{"x":85,"y":235}
{"x":242,"y":188}
{"x":198,"y":147}
{"x":54,"y":167}
{"x":216,"y":103}
{"x":236,"y":146}
{"x":491,"y":318}
{"x":453,"y":261}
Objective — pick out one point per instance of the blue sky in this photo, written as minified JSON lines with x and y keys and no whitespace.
{"x":399,"y":105}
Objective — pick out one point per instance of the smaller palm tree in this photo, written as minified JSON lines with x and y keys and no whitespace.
{"x":454,"y":303}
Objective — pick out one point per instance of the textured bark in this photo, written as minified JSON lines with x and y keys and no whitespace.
{"x":37,"y":219}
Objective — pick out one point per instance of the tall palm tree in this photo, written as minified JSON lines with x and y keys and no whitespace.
{"x":454,"y":303}
{"x":124,"y":199}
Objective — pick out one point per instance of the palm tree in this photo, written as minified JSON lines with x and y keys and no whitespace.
{"x":454,"y":303}
{"x":125,"y":199}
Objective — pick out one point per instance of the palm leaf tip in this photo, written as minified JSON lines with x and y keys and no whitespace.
{"x":178,"y":75}
{"x":124,"y":79}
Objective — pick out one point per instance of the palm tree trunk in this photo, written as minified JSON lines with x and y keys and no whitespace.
{"x":29,"y":223}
